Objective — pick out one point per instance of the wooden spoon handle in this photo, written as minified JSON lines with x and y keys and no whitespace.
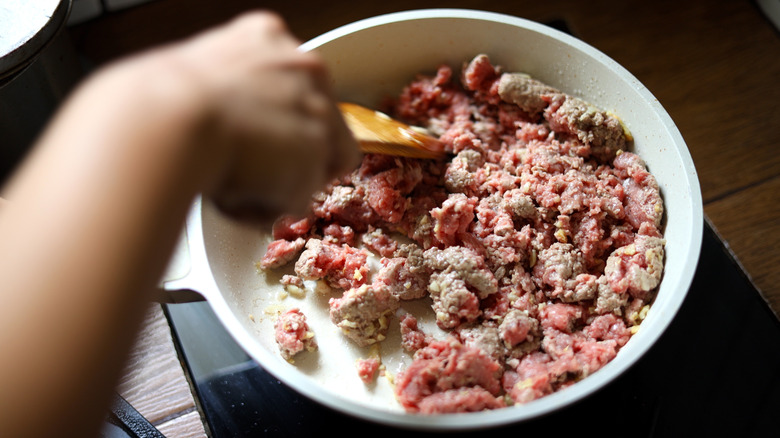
{"x":377,"y":133}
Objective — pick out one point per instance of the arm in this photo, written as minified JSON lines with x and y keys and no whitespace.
{"x":94,"y":212}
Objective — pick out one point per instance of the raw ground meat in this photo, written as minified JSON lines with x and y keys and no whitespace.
{"x":281,"y":252}
{"x":412,"y":338}
{"x":539,"y":241}
{"x":444,"y":368}
{"x":341,"y":265}
{"x":368,"y":369}
{"x":293,"y":335}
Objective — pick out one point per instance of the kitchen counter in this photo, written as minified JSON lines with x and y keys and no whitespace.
{"x":715,"y":69}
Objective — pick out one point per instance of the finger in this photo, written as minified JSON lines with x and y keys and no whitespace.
{"x":345,"y":154}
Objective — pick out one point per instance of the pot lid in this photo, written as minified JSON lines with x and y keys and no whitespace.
{"x":28,"y":26}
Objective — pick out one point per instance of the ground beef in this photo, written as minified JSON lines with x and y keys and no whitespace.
{"x":445,"y":366}
{"x":643,"y":204}
{"x":289,"y":227}
{"x":459,"y":279}
{"x":470,"y":399}
{"x":560,"y":271}
{"x":379,"y":242}
{"x":293,"y":335}
{"x":405,"y":280}
{"x":530,"y":379}
{"x":281,"y":252}
{"x":291,"y":280}
{"x":636,"y":268}
{"x":595,"y":128}
{"x":525,"y":92}
{"x":538,"y":241}
{"x":412,"y":338}
{"x":346,"y":205}
{"x":342,"y":266}
{"x":460,"y":176}
{"x":464,"y":264}
{"x":518,"y":328}
{"x":363,"y":313}
{"x":367,"y":369}
{"x":452,"y":219}
{"x":342,"y":235}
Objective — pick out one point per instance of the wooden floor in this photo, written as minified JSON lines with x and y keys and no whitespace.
{"x":714,"y":66}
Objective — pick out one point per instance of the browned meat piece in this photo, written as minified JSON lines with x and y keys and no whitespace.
{"x":362,"y":313}
{"x":525,"y":92}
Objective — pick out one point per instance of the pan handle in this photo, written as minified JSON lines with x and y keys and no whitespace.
{"x":188,"y":277}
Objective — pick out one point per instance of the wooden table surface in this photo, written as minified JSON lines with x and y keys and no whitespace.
{"x":715,"y":67}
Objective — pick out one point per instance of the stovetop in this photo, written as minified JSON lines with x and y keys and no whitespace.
{"x":715,"y":371}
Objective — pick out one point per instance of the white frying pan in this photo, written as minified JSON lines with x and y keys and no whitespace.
{"x":374,"y":58}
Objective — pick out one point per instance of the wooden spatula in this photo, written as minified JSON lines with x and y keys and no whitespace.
{"x":377,"y":133}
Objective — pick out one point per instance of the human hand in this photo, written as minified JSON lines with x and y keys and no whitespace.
{"x":269,"y":108}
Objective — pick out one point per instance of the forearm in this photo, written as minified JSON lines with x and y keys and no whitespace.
{"x":113,"y":182}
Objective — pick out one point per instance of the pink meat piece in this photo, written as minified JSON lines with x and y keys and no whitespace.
{"x":636,"y":268}
{"x":530,"y":380}
{"x":459,"y":135}
{"x":443,"y":366}
{"x":347,"y":205}
{"x":405,"y":280}
{"x":291,"y":280}
{"x":288,"y":227}
{"x":608,"y":327}
{"x":379,"y":242}
{"x":281,"y":252}
{"x":518,"y":327}
{"x":292,"y":334}
{"x":342,"y":266}
{"x":453,"y":218}
{"x":412,"y":338}
{"x":573,"y":354}
{"x":496,"y":180}
{"x":503,"y":251}
{"x":472,"y":399}
{"x":335,"y":233}
{"x":643,"y":204}
{"x":493,"y":218}
{"x":481,"y":77}
{"x":589,"y":235}
{"x":561,"y":317}
{"x":367,"y":369}
{"x":426,"y":98}
{"x":401,"y":174}
{"x":593,"y":355}
{"x":417,"y":223}
{"x":495,"y":306}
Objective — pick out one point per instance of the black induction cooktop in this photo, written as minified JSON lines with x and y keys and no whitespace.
{"x":714,"y":372}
